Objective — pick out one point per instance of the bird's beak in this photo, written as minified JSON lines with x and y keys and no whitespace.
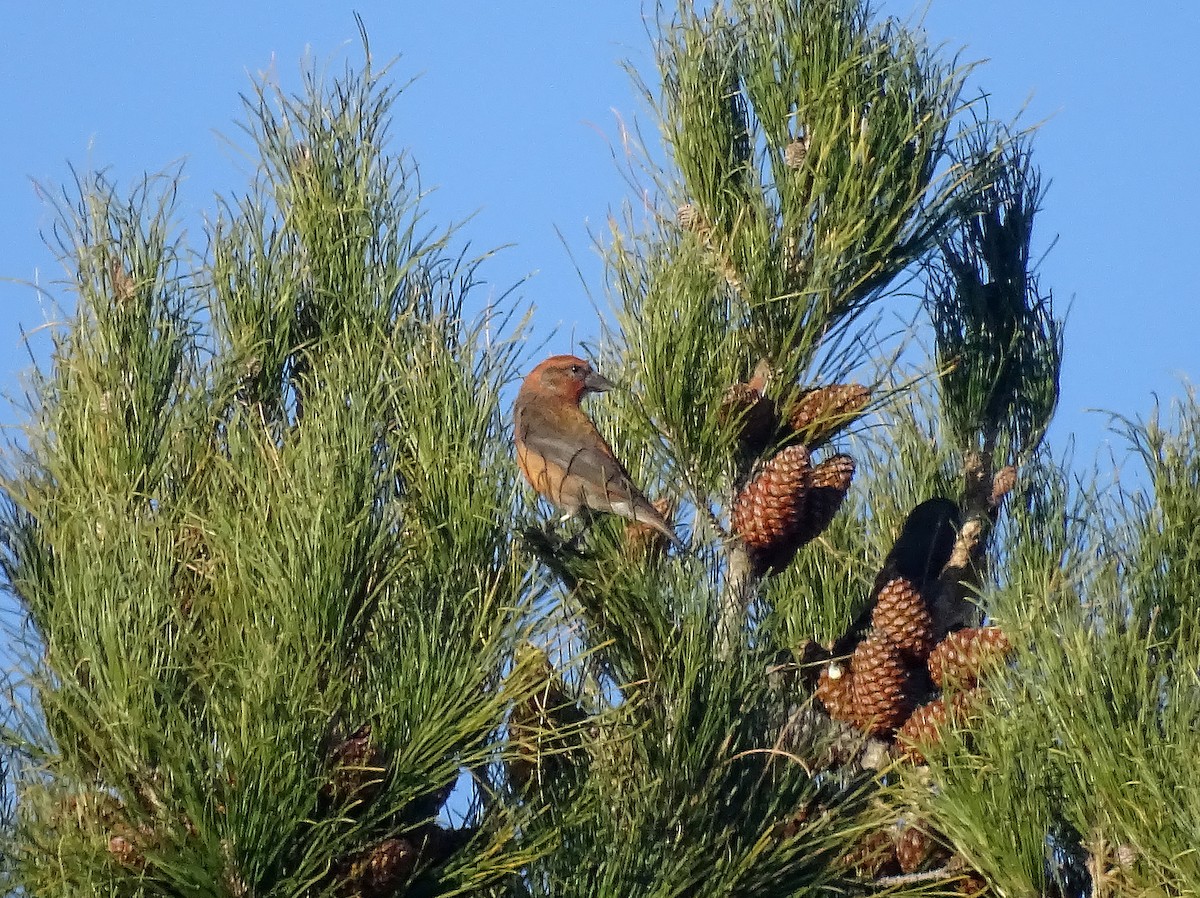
{"x":597,"y":383}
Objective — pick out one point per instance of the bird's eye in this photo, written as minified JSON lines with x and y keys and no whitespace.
{"x":577,"y":370}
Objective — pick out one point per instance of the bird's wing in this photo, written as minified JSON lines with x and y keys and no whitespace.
{"x":577,"y":465}
{"x":568,"y":461}
{"x":573,"y":452}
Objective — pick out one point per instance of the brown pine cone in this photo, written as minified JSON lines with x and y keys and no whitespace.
{"x":768,"y":510}
{"x":828,"y":485}
{"x":358,"y":768}
{"x":972,"y":885}
{"x":882,"y":699}
{"x":687,"y":216}
{"x":916,"y":848}
{"x":795,"y":151}
{"x":901,"y":617}
{"x":1002,"y":484}
{"x":923,"y":730}
{"x":754,"y":415}
{"x":379,"y":870}
{"x":790,"y":827}
{"x":820,"y":413}
{"x":126,"y":853}
{"x":544,"y":725}
{"x":959,"y":658}
{"x":872,"y":855}
{"x":835,"y":690}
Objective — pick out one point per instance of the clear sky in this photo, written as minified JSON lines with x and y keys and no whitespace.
{"x":513,"y":120}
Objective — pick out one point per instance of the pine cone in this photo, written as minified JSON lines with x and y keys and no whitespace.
{"x":835,"y":690}
{"x":820,"y":413}
{"x":687,"y":216}
{"x":768,"y":510}
{"x":923,"y":730}
{"x":794,"y":152}
{"x":873,"y":855}
{"x":972,"y":885}
{"x":902,"y":618}
{"x":960,"y":657}
{"x":828,"y":486}
{"x":380,"y":870}
{"x":543,"y":726}
{"x":358,"y":769}
{"x":916,"y":848}
{"x":1002,"y":484}
{"x":881,"y":686}
{"x":126,"y":853}
{"x":124,"y":287}
{"x":919,"y":554}
{"x":790,"y":827}
{"x":753,"y":414}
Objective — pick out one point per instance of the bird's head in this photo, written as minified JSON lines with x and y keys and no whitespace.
{"x":567,"y":376}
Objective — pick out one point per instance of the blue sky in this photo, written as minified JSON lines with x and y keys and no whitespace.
{"x":513,"y":120}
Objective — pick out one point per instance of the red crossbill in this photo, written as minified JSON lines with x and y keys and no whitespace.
{"x":564,"y":457}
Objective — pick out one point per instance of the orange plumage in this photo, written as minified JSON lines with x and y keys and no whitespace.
{"x":561,"y":453}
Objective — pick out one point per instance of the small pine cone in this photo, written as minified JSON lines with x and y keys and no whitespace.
{"x":543,"y":726}
{"x":124,"y":287}
{"x":729,"y":271}
{"x":972,"y":885}
{"x":358,"y":769}
{"x":1002,"y":484}
{"x":795,"y":264}
{"x":126,"y":853}
{"x":959,"y":658}
{"x":916,"y":848}
{"x":872,"y":855}
{"x":820,"y":413}
{"x":835,"y":690}
{"x":381,"y":869}
{"x":794,"y":152}
{"x":881,"y":686}
{"x":794,"y":824}
{"x":753,"y":414}
{"x":923,"y":730}
{"x":687,"y":217}
{"x":828,"y":486}
{"x":768,"y":510}
{"x":762,"y":375}
{"x":301,"y":158}
{"x":902,"y":618}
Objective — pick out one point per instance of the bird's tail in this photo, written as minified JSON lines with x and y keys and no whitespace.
{"x":663,"y":526}
{"x":678,"y":544}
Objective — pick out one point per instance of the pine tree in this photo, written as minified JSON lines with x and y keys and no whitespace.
{"x":294,"y":627}
{"x":260,"y":530}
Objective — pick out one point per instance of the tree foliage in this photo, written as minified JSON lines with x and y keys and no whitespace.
{"x":262,"y":506}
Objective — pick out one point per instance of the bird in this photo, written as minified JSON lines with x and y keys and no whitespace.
{"x":563,"y":455}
